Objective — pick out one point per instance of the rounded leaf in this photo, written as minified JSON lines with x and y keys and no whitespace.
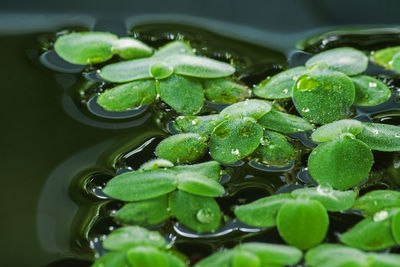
{"x":160,"y":70}
{"x":128,"y":71}
{"x":245,"y":259}
{"x":396,"y":227}
{"x":249,"y":108}
{"x":395,"y":63}
{"x":235,"y":139}
{"x":377,"y":200}
{"x":198,"y":124}
{"x":382,"y":137}
{"x":155,"y":164}
{"x":370,"y":91}
{"x":198,"y":184}
{"x":175,"y":261}
{"x":335,"y":255}
{"x":129,"y":48}
{"x":335,"y":129}
{"x":181,"y":148}
{"x":341,"y":163}
{"x":219,"y":259}
{"x":384,"y":260}
{"x":112,"y":259}
{"x":147,"y":257}
{"x":383,"y":57}
{"x":284,"y":123}
{"x":174,"y":47}
{"x":344,"y":59}
{"x":303,"y":223}
{"x":225,"y":91}
{"x":209,"y":169}
{"x":85,"y":47}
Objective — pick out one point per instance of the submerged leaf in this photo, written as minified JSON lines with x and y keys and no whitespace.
{"x":384,"y":56}
{"x":382,"y":137}
{"x":249,"y":108}
{"x":147,"y":257}
{"x":335,"y":255}
{"x":284,"y":123}
{"x":209,"y":169}
{"x":225,"y":91}
{"x":370,"y":91}
{"x":127,"y":71}
{"x":198,"y":124}
{"x":198,"y":184}
{"x":377,"y":200}
{"x":335,"y":129}
{"x":129,"y":48}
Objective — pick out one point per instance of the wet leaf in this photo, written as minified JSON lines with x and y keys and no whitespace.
{"x":382,"y":137}
{"x":332,"y":200}
{"x":160,"y":70}
{"x":273,"y":254}
{"x":127,"y":71}
{"x":341,"y":163}
{"x":182,"y":148}
{"x":198,"y":184}
{"x":395,"y":63}
{"x":225,"y":91}
{"x":262,"y":212}
{"x":175,"y":47}
{"x":133,"y":236}
{"x":85,"y":47}
{"x":335,"y":129}
{"x":112,"y":259}
{"x":384,"y":56}
{"x":183,"y":94}
{"x":284,"y":123}
{"x":245,"y":259}
{"x":249,"y":108}
{"x":197,"y":124}
{"x":141,"y":185}
{"x":155,"y":164}
{"x":275,"y":150}
{"x":384,"y":260}
{"x":235,"y":139}
{"x":147,"y":257}
{"x":128,"y":95}
{"x":377,"y":200}
{"x":396,"y":226}
{"x":344,"y":59}
{"x":220,"y":259}
{"x":174,"y":261}
{"x":146,"y":212}
{"x":335,"y":255}
{"x":323,"y":96}
{"x":209,"y":169}
{"x":201,"y":214}
{"x":280,"y":85}
{"x":370,"y":91}
{"x":129,"y":48}
{"x":303,"y":223}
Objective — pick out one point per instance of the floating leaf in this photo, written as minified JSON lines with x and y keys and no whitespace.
{"x":275,"y":150}
{"x":249,"y":108}
{"x":141,"y":185}
{"x":133,"y":236}
{"x":146,"y":212}
{"x":197,"y":124}
{"x":200,"y":67}
{"x":85,"y":47}
{"x":344,"y":59}
{"x":384,"y":260}
{"x":185,"y":147}
{"x":280,"y":85}
{"x":370,"y":91}
{"x":156,"y":164}
{"x":323,"y":96}
{"x":244,"y":258}
{"x":127,"y":71}
{"x":262,"y":212}
{"x":302,"y":223}
{"x":341,"y":163}
{"x":174,"y":261}
{"x":209,"y":169}
{"x":335,"y":255}
{"x":396,"y":226}
{"x":382,"y":137}
{"x":395,"y":63}
{"x":384,"y":56}
{"x":175,"y":47}
{"x":201,"y":214}
{"x":377,"y":200}
{"x":112,"y":259}
{"x":129,"y":48}
{"x":332,"y":200}
{"x":284,"y":123}
{"x":160,"y":70}
{"x":225,"y":91}
{"x":372,"y":233}
{"x":335,"y":129}
{"x":183,"y":94}
{"x":147,"y":257}
{"x":235,"y":139}
{"x":128,"y":95}
{"x":220,"y":259}
{"x":197,"y":184}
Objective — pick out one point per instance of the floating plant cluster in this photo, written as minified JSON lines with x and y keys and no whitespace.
{"x":180,"y":184}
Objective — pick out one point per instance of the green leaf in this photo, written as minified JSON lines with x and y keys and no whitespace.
{"x":335,"y":129}
{"x":284,"y":123}
{"x":235,"y":139}
{"x":160,"y":70}
{"x":174,"y":261}
{"x":185,"y":147}
{"x":396,"y":226}
{"x":128,"y":95}
{"x":85,"y":47}
{"x":112,"y":259}
{"x":332,"y":200}
{"x":197,"y":124}
{"x":272,"y":254}
{"x":127,"y":71}
{"x":209,"y":169}
{"x":202,"y":214}
{"x":370,"y":91}
{"x":225,"y":91}
{"x":303,"y":223}
{"x":200,"y":67}
{"x":155,"y":164}
{"x":220,"y":259}
{"x":384,"y":260}
{"x":197,"y":184}
{"x":395,"y":63}
{"x":133,"y":236}
{"x":262,"y":212}
{"x":146,"y":212}
{"x":183,"y":94}
{"x":344,"y":59}
{"x":323,"y":95}
{"x":175,"y":47}
{"x":335,"y":255}
{"x":275,"y":150}
{"x":245,"y":259}
{"x":372,"y":233}
{"x":382,"y":137}
{"x":129,"y":48}
{"x":147,"y":257}
{"x":341,"y":163}
{"x":377,"y":200}
{"x":141,"y":185}
{"x":384,"y":56}
{"x":249,"y":108}
{"x":280,"y":85}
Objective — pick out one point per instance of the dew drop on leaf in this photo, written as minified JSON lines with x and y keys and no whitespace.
{"x":205,"y":216}
{"x":380,"y":216}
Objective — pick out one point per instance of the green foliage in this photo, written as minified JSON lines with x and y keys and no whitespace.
{"x":275,"y":150}
{"x":384,"y":56}
{"x":370,"y":91}
{"x":160,"y":70}
{"x":225,"y":91}
{"x":382,"y":137}
{"x":129,"y":48}
{"x":146,"y":257}
{"x":156,"y":164}
{"x":335,"y":129}
{"x":197,"y":124}
{"x":377,"y":200}
{"x":198,"y":184}
{"x":249,"y":108}
{"x":127,"y":71}
{"x":209,"y":169}
{"x":335,"y":255}
{"x":112,"y":259}
{"x":284,"y":123}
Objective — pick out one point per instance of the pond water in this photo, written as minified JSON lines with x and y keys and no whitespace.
{"x":60,"y":148}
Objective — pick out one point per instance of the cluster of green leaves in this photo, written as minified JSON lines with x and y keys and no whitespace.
{"x":329,"y":83}
{"x":388,"y":57}
{"x":159,"y":190}
{"x":301,"y":216}
{"x":343,"y":157}
{"x":137,"y":247}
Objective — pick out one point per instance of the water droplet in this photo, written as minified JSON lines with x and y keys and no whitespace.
{"x":205,"y":216}
{"x":305,"y":110}
{"x":264,"y":141}
{"x":397,"y":136}
{"x":235,"y":151}
{"x":371,"y":84}
{"x":285,"y":91}
{"x":380,"y":216}
{"x":195,"y":121}
{"x":324,"y":190}
{"x":375,"y":131}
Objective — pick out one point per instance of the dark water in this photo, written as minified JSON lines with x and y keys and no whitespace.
{"x":59,"y":148}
